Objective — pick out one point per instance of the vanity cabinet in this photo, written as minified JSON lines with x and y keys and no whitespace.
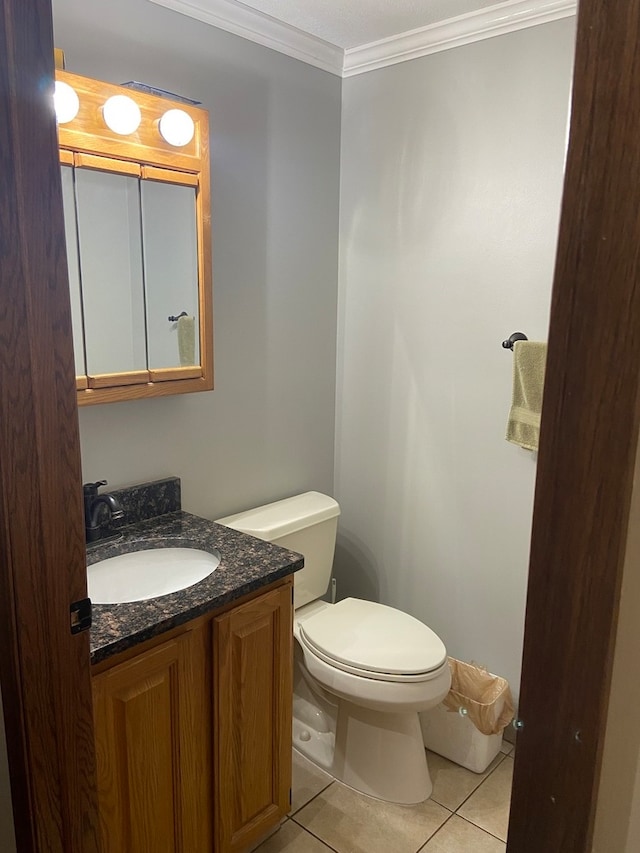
{"x":193,"y":732}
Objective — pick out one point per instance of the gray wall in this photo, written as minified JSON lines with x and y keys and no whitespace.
{"x":451,"y":179}
{"x":267,"y":431}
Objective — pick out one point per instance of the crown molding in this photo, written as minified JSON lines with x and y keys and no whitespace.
{"x":454,"y":32}
{"x":263,"y":29}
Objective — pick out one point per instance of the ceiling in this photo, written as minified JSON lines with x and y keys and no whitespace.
{"x":348,"y":37}
{"x":357,"y":22}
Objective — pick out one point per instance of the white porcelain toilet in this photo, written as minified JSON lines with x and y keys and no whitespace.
{"x":362,"y":671}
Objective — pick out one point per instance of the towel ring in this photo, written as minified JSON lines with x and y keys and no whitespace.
{"x":516,"y":336}
{"x":174,"y":319}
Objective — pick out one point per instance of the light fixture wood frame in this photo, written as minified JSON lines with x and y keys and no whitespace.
{"x":87,"y":142}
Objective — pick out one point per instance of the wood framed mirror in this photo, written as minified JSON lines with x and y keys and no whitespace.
{"x":136,"y":189}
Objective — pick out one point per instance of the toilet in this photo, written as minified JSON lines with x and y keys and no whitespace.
{"x":362,"y":671}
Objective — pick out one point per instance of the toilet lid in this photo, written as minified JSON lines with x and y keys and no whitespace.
{"x":373,"y":638}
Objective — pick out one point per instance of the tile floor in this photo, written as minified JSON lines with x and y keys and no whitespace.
{"x":467,"y":813}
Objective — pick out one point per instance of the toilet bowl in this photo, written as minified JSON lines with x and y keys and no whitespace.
{"x":362,"y":670}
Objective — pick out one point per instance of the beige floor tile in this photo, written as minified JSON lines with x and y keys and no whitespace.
{"x":352,"y":823}
{"x":507,"y":747}
{"x":488,"y":806}
{"x":308,"y":780}
{"x":452,"y":784}
{"x":291,"y":838}
{"x":459,"y":836}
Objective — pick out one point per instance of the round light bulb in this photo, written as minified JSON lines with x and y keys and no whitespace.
{"x":177,"y":128}
{"x":122,"y":115}
{"x":66,"y":102}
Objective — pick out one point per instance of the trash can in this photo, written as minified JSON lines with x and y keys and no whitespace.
{"x":467,"y":727}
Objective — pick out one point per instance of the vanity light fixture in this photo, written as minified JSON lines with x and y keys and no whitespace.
{"x":121,"y":114}
{"x":66,"y":102}
{"x":177,"y":128}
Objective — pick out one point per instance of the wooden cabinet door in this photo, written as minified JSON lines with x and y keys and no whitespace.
{"x":153,"y":746}
{"x":253,"y":649}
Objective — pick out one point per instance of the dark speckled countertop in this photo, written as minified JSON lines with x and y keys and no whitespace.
{"x":246,"y":564}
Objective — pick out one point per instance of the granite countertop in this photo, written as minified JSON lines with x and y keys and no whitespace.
{"x":246,"y":565}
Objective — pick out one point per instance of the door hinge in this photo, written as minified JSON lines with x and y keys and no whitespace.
{"x":80,"y":612}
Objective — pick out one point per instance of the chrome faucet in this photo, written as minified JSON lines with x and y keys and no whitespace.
{"x":93,"y":502}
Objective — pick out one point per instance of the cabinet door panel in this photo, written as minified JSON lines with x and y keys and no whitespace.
{"x":252,"y":701}
{"x":152,"y":745}
{"x":148,"y":756}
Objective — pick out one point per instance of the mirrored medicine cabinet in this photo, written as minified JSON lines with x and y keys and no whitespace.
{"x":135,"y":183}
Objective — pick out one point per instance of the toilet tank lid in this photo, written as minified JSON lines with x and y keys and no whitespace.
{"x":275,"y":520}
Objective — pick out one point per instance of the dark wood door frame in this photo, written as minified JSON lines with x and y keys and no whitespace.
{"x":588,"y":442}
{"x":587,"y":447}
{"x":43,"y":668}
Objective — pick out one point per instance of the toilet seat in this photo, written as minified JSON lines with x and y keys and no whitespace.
{"x":373,"y":641}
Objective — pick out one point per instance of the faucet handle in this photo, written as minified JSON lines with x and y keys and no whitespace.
{"x":92,"y":488}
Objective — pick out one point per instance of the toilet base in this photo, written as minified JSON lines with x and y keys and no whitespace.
{"x":378,"y":753}
{"x":387,"y":761}
{"x":317,"y":746}
{"x":381,"y":754}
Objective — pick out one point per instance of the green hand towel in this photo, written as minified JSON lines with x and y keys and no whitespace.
{"x":523,"y":427}
{"x":187,"y":341}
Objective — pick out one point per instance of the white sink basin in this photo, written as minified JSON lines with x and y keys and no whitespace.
{"x":148,"y":574}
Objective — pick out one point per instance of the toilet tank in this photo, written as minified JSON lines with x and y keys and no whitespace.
{"x":305,"y":523}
